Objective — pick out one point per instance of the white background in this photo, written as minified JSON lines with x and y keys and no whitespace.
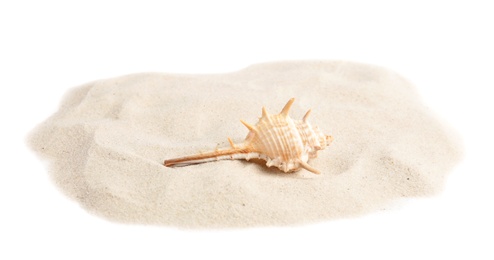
{"x":443,"y":47}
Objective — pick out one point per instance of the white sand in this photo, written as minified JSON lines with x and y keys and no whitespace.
{"x":107,"y":143}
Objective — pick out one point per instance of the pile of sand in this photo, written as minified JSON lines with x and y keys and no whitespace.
{"x":107,"y":143}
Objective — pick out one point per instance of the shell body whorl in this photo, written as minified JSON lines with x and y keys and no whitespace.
{"x":283,"y":142}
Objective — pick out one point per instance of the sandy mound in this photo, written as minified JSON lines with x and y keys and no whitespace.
{"x":107,"y":143}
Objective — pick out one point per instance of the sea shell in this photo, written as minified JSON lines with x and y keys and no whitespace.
{"x":279,"y":140}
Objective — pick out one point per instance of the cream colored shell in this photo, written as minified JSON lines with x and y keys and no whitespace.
{"x":279,"y":140}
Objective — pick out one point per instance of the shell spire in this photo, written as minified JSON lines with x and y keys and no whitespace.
{"x":279,"y":140}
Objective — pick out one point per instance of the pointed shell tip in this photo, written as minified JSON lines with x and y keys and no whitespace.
{"x":287,"y":107}
{"x":249,"y":126}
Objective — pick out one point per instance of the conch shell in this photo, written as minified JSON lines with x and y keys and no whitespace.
{"x":279,"y":140}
